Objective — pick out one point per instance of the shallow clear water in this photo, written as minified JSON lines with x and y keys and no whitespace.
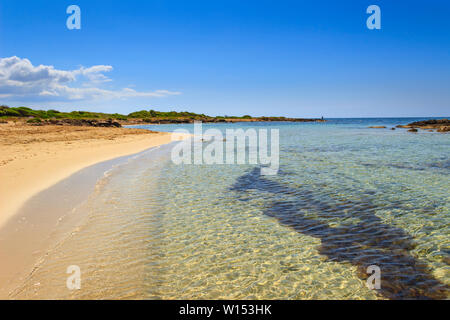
{"x":345,"y":197}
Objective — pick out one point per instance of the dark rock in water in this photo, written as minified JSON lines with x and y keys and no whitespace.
{"x":432,"y":122}
{"x":378,"y":127}
{"x":413,"y":130}
{"x":442,"y":125}
{"x":392,"y":128}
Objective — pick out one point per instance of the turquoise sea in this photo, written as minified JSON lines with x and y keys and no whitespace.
{"x":345,"y":197}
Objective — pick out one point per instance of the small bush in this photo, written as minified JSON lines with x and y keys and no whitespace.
{"x":34,"y":120}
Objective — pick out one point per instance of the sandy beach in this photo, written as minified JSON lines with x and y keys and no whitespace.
{"x":34,"y":158}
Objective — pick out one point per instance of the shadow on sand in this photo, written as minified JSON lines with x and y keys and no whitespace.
{"x":368,"y":242}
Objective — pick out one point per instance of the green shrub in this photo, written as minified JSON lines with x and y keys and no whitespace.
{"x":139,"y":114}
{"x":34,"y":120}
{"x":10,"y":112}
{"x":24,"y":111}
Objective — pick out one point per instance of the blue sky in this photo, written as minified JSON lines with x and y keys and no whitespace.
{"x":291,"y":58}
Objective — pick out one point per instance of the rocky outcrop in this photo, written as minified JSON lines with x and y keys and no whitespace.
{"x":430,"y":123}
{"x":109,"y":123}
{"x":158,"y":120}
{"x":377,"y":127}
{"x":35,"y":121}
{"x":441,"y":125}
{"x":444,"y":129}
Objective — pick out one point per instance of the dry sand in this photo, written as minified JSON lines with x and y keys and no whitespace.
{"x":33,"y":158}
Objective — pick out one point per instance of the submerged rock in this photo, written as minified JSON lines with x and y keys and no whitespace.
{"x":378,"y":127}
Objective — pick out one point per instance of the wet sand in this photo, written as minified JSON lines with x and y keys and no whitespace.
{"x":35,"y":162}
{"x":35,"y":158}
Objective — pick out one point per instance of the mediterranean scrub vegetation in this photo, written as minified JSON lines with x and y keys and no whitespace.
{"x":143,"y":116}
{"x":24,"y":112}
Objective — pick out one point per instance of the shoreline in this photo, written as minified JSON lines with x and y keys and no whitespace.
{"x":35,"y":202}
{"x":31,"y":271}
{"x":30,"y":167}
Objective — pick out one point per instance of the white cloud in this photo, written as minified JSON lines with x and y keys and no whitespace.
{"x":20,"y":79}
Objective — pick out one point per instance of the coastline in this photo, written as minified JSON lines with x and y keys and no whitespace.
{"x":31,"y":166}
{"x":36,"y":168}
{"x":114,"y":238}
